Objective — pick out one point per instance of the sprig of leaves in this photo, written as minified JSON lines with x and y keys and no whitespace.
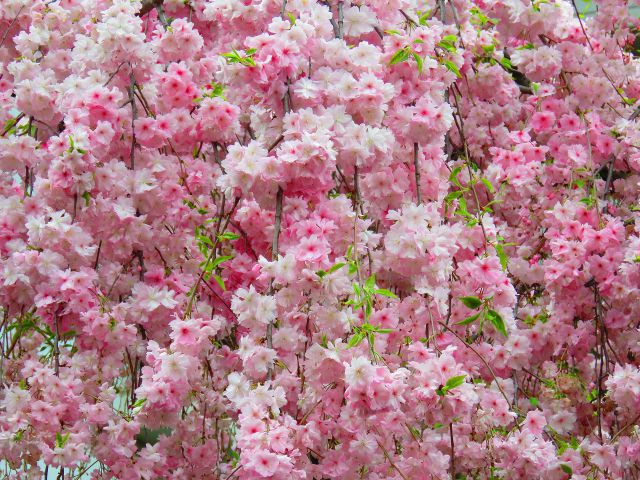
{"x":234,"y":57}
{"x":486,"y":312}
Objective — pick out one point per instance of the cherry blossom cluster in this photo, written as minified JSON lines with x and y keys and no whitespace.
{"x":305,"y":239}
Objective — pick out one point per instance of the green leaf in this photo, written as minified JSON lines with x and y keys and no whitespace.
{"x":353,"y":268}
{"x":419,"y":61}
{"x":355,"y":339}
{"x":566,"y":469}
{"x":452,"y":67}
{"x":450,"y":39}
{"x":393,"y":32}
{"x":471,"y":302}
{"x":149,"y":436}
{"x":292,"y":19}
{"x":61,"y":440}
{"x":336,"y":267}
{"x":138,"y":403}
{"x":453,"y":176}
{"x":451,"y":196}
{"x":534,"y":402}
{"x":220,"y":282}
{"x":422,"y":19}
{"x":220,"y":260}
{"x":228,"y":236}
{"x":205,"y":240}
{"x":400,"y":56}
{"x":497,"y":321}
{"x":487,"y":184}
{"x":370,"y":282}
{"x":87,"y":198}
{"x":502,"y":256}
{"x":454,"y":382}
{"x":469,"y":320}
{"x":385,"y":293}
{"x":321,"y":273}
{"x":506,"y":63}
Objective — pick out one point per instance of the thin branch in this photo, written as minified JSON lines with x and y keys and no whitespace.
{"x":56,"y":347}
{"x":452,"y":461}
{"x":4,"y":37}
{"x":114,"y":74}
{"x":624,"y":429}
{"x":408,"y":18}
{"x":416,"y":167}
{"x":340,"y":21}
{"x":147,"y":6}
{"x":134,"y":116}
{"x":278,"y":224}
{"x":481,"y":359}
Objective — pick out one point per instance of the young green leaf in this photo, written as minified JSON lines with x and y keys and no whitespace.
{"x":220,"y":260}
{"x":400,"y":56}
{"x":469,"y":320}
{"x":566,"y":469}
{"x":336,"y":267}
{"x":487,"y":184}
{"x":220,"y":282}
{"x":228,"y":236}
{"x":355,"y":339}
{"x":497,"y":321}
{"x":385,"y":293}
{"x":452,"y":67}
{"x":370,"y":282}
{"x":502,"y":256}
{"x":453,"y":176}
{"x":419,"y":61}
{"x":454,"y":382}
{"x":471,"y":302}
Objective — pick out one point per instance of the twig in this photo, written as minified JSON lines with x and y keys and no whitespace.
{"x":278,"y":224}
{"x":340,"y":21}
{"x":442,"y":10}
{"x":56,"y":347}
{"x":452,"y":461}
{"x":275,"y":143}
{"x":111,"y":77}
{"x":134,"y":116}
{"x":482,"y":360}
{"x":4,"y":37}
{"x":95,"y":264}
{"x":575,"y":9}
{"x":147,"y":6}
{"x":416,"y":166}
{"x":607,"y":185}
{"x":624,"y":429}
{"x":274,"y":257}
{"x":388,"y":457}
{"x":408,"y":18}
{"x":161,"y":16}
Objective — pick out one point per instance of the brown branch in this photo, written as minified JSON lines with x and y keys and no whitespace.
{"x":4,"y":37}
{"x":148,"y":5}
{"x":416,"y":166}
